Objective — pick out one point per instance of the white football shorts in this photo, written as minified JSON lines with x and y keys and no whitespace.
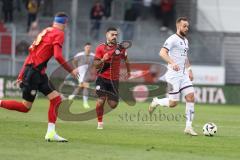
{"x":181,"y":84}
{"x":82,"y":70}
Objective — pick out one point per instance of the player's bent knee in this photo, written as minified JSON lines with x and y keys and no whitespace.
{"x":190,"y":97}
{"x":113,"y":104}
{"x":53,"y":95}
{"x":101,"y":100}
{"x":28,"y":105}
{"x":173,"y":104}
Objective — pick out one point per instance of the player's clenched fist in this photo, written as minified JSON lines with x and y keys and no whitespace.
{"x":175,"y":67}
{"x":106,"y":57}
{"x":74,"y":73}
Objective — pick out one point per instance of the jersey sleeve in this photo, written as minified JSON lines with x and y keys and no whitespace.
{"x":77,"y":57}
{"x":59,"y":57}
{"x":98,"y":53}
{"x":168,"y":44}
{"x":58,"y":39}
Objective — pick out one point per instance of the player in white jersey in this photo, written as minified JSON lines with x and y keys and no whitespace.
{"x":83,"y":62}
{"x":179,"y":74}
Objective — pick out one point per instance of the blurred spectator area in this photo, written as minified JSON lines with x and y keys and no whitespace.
{"x":206,"y":48}
{"x":145,"y":33}
{"x":5,"y":40}
{"x":142,"y":29}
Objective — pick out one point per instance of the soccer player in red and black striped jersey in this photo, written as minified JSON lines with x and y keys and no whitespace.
{"x":32,"y":77}
{"x":107,"y":60}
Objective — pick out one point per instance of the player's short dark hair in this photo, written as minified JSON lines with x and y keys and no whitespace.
{"x":61,"y":14}
{"x":181,"y":19}
{"x":111,"y":29}
{"x":87,"y":44}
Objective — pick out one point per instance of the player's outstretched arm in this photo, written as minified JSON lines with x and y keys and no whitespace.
{"x":75,"y":63}
{"x":164,"y":55}
{"x":98,"y":62}
{"x":59,"y":57}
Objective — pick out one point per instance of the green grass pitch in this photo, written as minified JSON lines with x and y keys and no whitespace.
{"x":128,"y":134}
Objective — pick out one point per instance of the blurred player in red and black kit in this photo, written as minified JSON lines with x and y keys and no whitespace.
{"x":32,"y":77}
{"x":107,"y":60}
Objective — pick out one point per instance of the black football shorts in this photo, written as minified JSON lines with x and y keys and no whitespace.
{"x":107,"y":88}
{"x":34,"y":81}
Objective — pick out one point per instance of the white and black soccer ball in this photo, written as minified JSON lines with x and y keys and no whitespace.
{"x":209,"y":129}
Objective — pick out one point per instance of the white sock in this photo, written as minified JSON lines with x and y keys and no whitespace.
{"x":85,"y":99}
{"x":51,"y":127}
{"x":85,"y":95}
{"x":189,"y":113}
{"x":163,"y":102}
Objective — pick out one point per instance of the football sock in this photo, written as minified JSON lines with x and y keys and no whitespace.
{"x":189,"y":113}
{"x":14,"y":105}
{"x":99,"y":110}
{"x":53,"y":109}
{"x":85,"y":98}
{"x":51,"y":127}
{"x":85,"y":95}
{"x":163,"y":102}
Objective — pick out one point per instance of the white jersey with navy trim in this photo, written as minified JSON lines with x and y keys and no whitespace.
{"x":84,"y":63}
{"x":82,"y":58}
{"x":180,"y":83}
{"x":177,"y":50}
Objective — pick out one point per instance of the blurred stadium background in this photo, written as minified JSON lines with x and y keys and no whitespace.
{"x":214,"y":52}
{"x":214,"y":36}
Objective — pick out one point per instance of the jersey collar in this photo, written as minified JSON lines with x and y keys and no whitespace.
{"x":183,"y":38}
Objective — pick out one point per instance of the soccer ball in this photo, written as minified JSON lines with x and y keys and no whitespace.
{"x":209,"y":129}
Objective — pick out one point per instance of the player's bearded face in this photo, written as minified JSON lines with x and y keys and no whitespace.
{"x":183,"y":26}
{"x":112,"y":37}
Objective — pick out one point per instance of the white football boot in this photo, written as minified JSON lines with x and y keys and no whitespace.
{"x":54,"y":137}
{"x":190,"y":131}
{"x":154,"y":104}
{"x":86,"y":105}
